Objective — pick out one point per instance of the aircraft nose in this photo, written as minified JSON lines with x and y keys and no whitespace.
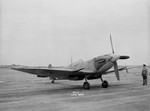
{"x":124,"y":57}
{"x":115,"y":57}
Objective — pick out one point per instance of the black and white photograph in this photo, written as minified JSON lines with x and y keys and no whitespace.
{"x":74,"y":55}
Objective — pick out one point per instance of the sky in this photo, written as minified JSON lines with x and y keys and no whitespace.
{"x":42,"y":32}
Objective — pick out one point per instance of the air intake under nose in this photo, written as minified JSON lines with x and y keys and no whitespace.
{"x":124,"y":57}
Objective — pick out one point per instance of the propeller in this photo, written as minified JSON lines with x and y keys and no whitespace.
{"x":115,"y":63}
{"x":116,"y":70}
{"x":123,"y":57}
{"x":111,"y":44}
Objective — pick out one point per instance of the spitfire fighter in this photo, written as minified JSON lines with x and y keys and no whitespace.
{"x":82,"y":70}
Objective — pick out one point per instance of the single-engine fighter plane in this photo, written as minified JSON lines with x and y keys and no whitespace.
{"x":90,"y":69}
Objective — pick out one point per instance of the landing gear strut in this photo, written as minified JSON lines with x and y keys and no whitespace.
{"x":104,"y":83}
{"x":86,"y":84}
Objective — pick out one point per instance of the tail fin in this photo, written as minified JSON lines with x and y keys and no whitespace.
{"x":50,"y":66}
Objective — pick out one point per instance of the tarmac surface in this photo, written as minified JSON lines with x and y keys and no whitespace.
{"x":24,"y":92}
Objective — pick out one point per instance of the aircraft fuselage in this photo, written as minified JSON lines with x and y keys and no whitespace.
{"x":98,"y":64}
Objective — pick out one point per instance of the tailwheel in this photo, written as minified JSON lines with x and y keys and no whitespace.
{"x":105,"y":84}
{"x":86,"y":85}
{"x":53,"y":80}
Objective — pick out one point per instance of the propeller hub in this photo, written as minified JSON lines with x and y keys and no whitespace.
{"x":115,"y":57}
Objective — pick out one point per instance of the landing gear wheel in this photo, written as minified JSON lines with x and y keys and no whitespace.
{"x":86,"y":85}
{"x":104,"y":84}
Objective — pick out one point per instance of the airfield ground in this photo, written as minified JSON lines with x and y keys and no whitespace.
{"x":24,"y":92}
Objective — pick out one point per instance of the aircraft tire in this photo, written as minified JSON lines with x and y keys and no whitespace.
{"x":105,"y":84}
{"x":86,"y":85}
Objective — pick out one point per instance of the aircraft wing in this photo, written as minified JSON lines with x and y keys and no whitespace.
{"x":63,"y":73}
{"x":60,"y":73}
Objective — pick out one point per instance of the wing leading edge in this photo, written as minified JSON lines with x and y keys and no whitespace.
{"x":62,"y":73}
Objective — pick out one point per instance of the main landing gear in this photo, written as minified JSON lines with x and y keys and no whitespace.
{"x":104,"y":83}
{"x":86,"y":84}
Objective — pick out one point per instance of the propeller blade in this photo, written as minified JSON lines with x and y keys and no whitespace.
{"x":111,"y":44}
{"x":124,"y":57}
{"x":116,"y":70}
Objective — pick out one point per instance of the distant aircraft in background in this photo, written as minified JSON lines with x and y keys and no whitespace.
{"x":90,"y":69}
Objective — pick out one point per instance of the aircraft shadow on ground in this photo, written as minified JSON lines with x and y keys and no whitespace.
{"x":62,"y":88}
{"x":69,"y":88}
